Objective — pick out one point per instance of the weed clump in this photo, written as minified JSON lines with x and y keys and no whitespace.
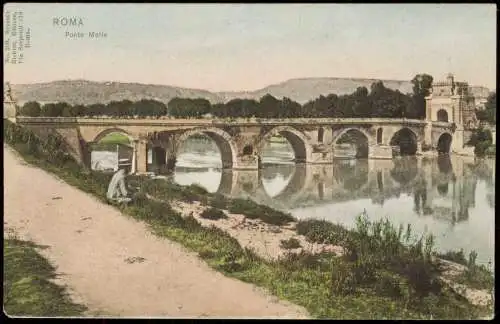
{"x":218,"y":201}
{"x":454,"y":256}
{"x":322,"y":231}
{"x":253,"y":210}
{"x":213,"y":214}
{"x":291,"y":243}
{"x":476,"y":276}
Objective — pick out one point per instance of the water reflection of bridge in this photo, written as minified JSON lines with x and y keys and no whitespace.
{"x":443,"y":187}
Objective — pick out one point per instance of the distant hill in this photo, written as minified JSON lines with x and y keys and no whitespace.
{"x":303,"y":90}
{"x":89,"y":92}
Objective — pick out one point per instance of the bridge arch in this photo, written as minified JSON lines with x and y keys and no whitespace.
{"x":298,"y":140}
{"x":406,"y":139}
{"x":109,"y":131}
{"x":354,"y":136}
{"x":222,"y":139}
{"x":444,"y":143}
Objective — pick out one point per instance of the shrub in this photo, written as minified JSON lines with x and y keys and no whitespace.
{"x":343,"y":281}
{"x":253,"y":210}
{"x":218,"y":201}
{"x":390,"y":285}
{"x":30,"y":109}
{"x":481,"y":148}
{"x":213,"y":214}
{"x":454,"y":256}
{"x":197,"y":190}
{"x":304,"y":259}
{"x":322,"y":231}
{"x":191,"y":223}
{"x":481,"y":139}
{"x":291,"y":243}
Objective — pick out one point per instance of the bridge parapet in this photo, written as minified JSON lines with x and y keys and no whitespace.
{"x":223,"y":121}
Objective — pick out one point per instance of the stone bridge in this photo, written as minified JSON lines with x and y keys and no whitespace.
{"x":240,"y":141}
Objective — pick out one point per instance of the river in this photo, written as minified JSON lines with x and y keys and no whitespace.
{"x":451,"y":197}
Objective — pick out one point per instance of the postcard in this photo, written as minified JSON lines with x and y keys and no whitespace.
{"x":300,"y":161}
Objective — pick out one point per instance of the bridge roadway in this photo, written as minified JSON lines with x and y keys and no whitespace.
{"x":241,"y":140}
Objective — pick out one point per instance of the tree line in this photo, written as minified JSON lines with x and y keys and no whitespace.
{"x":379,"y":101}
{"x":124,"y":108}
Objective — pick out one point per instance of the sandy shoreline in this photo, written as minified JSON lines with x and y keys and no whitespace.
{"x":263,"y":238}
{"x":95,"y":247}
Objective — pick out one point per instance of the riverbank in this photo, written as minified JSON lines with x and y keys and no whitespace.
{"x":359,"y":285}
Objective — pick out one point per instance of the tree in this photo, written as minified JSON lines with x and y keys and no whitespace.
{"x":422,"y":85}
{"x":175,"y":107}
{"x":290,"y":108}
{"x":30,"y":109}
{"x":241,"y":108}
{"x":70,"y":111}
{"x":361,"y":104}
{"x":481,"y":139}
{"x":94,"y":110}
{"x":54,"y":109}
{"x":120,"y":109}
{"x":491,"y":108}
{"x":269,"y":107}
{"x":79,"y":110}
{"x":186,"y":107}
{"x":381,"y":101}
{"x":219,"y":110}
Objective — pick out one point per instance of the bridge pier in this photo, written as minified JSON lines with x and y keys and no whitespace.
{"x":320,"y":158}
{"x":380,"y":152}
{"x":141,"y":155}
{"x":247,"y":162}
{"x":239,"y":183}
{"x":419,"y":149}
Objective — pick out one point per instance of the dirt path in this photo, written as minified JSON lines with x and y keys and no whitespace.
{"x":90,"y":243}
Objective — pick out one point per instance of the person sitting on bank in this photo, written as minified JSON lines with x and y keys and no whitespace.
{"x":117,"y":190}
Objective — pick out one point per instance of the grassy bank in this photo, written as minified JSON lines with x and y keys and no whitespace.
{"x":385,"y":273}
{"x":28,"y":290}
{"x":115,"y":138}
{"x":475,"y":276}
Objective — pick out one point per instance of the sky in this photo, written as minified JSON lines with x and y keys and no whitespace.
{"x":236,"y":47}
